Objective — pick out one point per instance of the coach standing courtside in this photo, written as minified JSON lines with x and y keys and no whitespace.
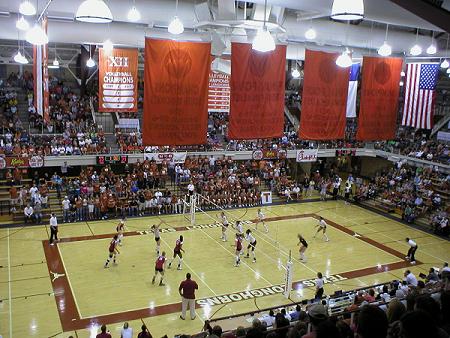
{"x":187,"y":292}
{"x":53,"y":229}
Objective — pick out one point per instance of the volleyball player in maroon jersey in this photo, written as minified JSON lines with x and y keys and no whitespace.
{"x":177,"y":251}
{"x":113,"y":251}
{"x":159,"y":268}
{"x":238,"y":242}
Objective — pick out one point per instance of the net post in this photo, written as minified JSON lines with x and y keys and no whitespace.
{"x":288,"y":276}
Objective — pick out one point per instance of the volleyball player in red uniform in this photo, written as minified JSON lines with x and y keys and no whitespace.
{"x":159,"y":268}
{"x":177,"y":251}
{"x":113,"y":251}
{"x":238,"y":242}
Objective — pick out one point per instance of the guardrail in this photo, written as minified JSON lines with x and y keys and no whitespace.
{"x":74,"y":160}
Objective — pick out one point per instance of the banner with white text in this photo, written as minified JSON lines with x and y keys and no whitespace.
{"x":118,"y":80}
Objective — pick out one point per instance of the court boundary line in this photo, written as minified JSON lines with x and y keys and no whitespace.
{"x":54,"y":260}
{"x":9,"y":287}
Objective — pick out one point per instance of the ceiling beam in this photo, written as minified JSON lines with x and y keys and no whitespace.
{"x":433,"y":14}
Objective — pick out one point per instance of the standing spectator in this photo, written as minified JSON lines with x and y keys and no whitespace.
{"x":187,"y":292}
{"x":145,"y":333}
{"x":53,"y":229}
{"x":127,"y":332}
{"x":103,"y":334}
{"x":28,"y":212}
{"x":66,"y":209}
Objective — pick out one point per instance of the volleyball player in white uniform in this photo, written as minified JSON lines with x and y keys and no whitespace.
{"x":120,"y":228}
{"x":239,"y":228}
{"x":322,"y":225}
{"x":261,"y":218}
{"x":225,"y":224}
{"x":251,"y":244}
{"x":155,"y":229}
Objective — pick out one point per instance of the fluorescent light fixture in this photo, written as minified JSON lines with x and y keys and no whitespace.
{"x":344,"y":60}
{"x":310,"y":34}
{"x":22,"y":24}
{"x":94,"y":11}
{"x":176,"y":27}
{"x":295,"y":73}
{"x":347,"y":10}
{"x":27,"y":8}
{"x":385,"y":49}
{"x":445,"y":64}
{"x":263,"y":41}
{"x":36,"y":36}
{"x":90,"y":63}
{"x":134,"y":15}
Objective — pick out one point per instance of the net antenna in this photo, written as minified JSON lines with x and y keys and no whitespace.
{"x":189,"y":206}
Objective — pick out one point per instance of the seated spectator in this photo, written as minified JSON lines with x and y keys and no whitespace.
{"x":103,"y":333}
{"x":372,"y":322}
{"x":317,"y":314}
{"x":28,"y":213}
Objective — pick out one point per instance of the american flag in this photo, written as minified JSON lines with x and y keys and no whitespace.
{"x":421,"y":79}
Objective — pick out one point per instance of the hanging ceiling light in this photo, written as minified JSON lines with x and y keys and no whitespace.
{"x":108,"y":46}
{"x":346,"y":10}
{"x":27,"y":8}
{"x":385,"y":49}
{"x":344,"y":60}
{"x":448,"y":71}
{"x":90,"y":63}
{"x":94,"y":11}
{"x":36,"y":36}
{"x":310,"y":34}
{"x":295,"y":73}
{"x":416,"y":49}
{"x":134,"y":15}
{"x":445,"y":64}
{"x":22,"y":24}
{"x":176,"y":26}
{"x":19,"y":58}
{"x":402,"y":73}
{"x":401,"y":83}
{"x":263,"y":41}
{"x":431,"y":50}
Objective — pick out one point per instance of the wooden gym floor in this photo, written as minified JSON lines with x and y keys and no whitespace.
{"x":63,"y":290}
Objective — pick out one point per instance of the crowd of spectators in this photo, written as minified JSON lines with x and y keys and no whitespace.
{"x":416,"y":192}
{"x":417,"y":144}
{"x":415,"y":307}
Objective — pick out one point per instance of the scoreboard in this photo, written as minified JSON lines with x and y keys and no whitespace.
{"x":112,"y":159}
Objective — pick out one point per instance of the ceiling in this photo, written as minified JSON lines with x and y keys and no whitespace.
{"x":298,"y":16}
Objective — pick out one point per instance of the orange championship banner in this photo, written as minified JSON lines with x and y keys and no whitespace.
{"x":324,"y":97}
{"x":380,"y":90}
{"x":257,"y":92}
{"x":175,"y":92}
{"x":45,"y":88}
{"x":118,"y":80}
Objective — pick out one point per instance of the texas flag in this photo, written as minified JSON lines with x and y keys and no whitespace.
{"x":352,"y":90}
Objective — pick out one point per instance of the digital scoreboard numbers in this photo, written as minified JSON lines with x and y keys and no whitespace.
{"x":112,"y":159}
